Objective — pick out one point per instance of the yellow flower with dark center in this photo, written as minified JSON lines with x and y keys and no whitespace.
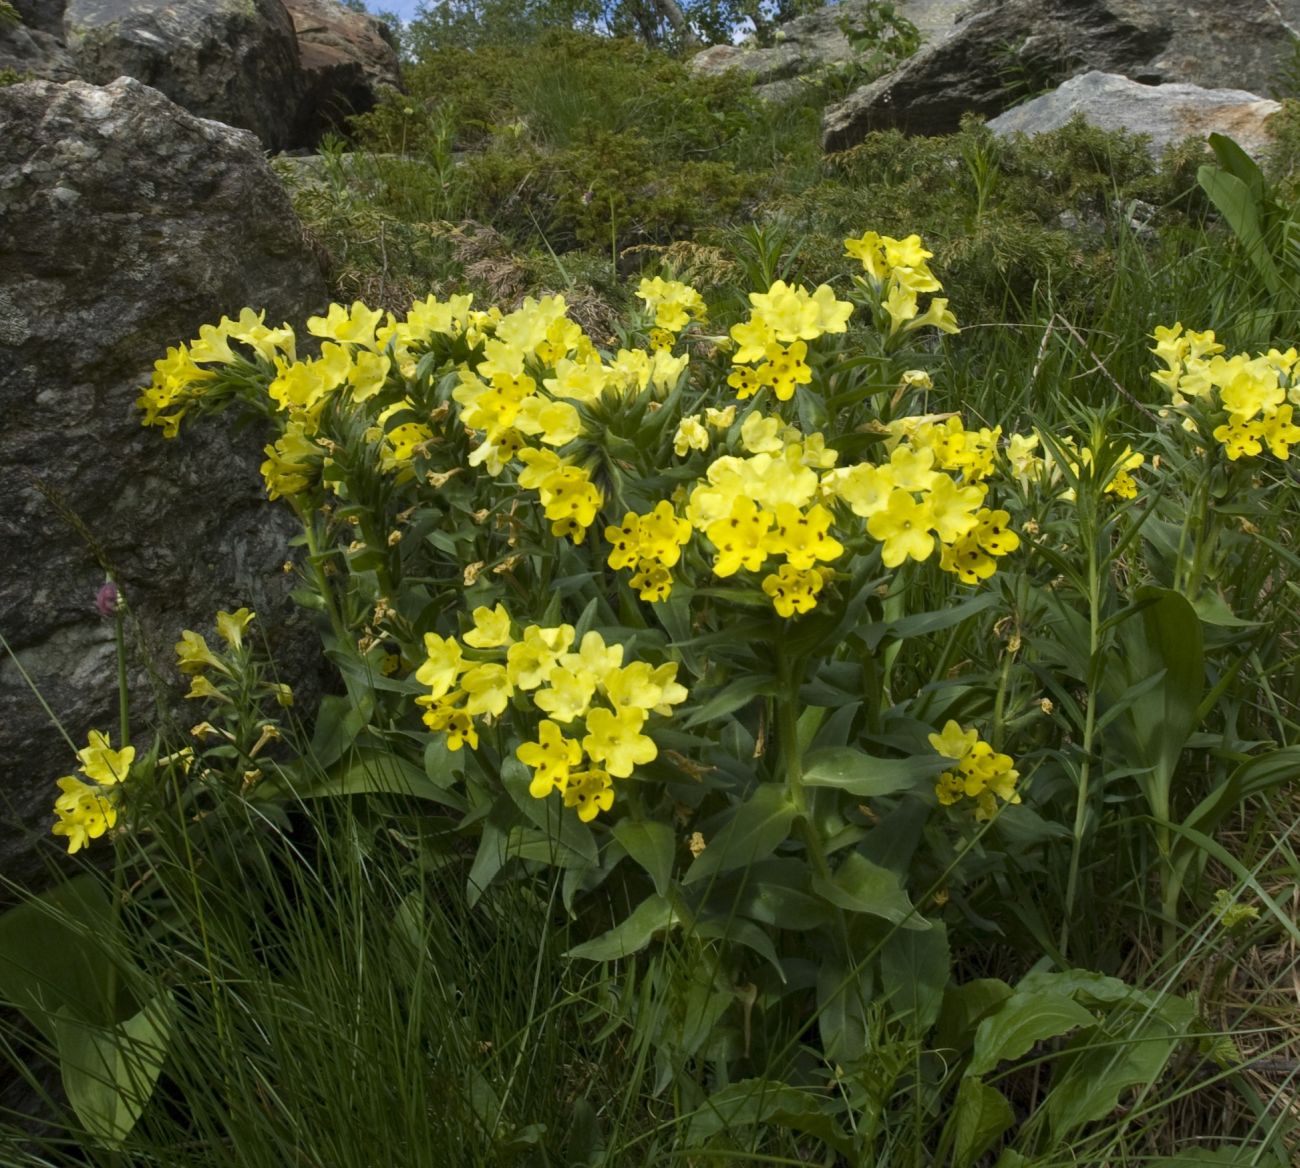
{"x":591,"y":792}
{"x":741,"y":538}
{"x":785,"y":369}
{"x":551,"y":758}
{"x":792,"y":590}
{"x":84,"y":813}
{"x":802,"y":537}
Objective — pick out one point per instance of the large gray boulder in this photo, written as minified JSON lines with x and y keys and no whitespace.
{"x":34,"y":46}
{"x":289,"y":70}
{"x":125,"y":224}
{"x":815,"y":42}
{"x":235,"y":61}
{"x":1001,"y":50}
{"x":1166,"y":114}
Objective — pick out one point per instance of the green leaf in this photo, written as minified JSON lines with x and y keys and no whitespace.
{"x":921,"y":623}
{"x":492,"y":855}
{"x":964,"y":1006}
{"x":863,"y":887}
{"x":864,"y":775}
{"x":652,"y":845}
{"x":549,"y":815}
{"x":914,"y":970}
{"x":1241,"y":207}
{"x":755,"y":830}
{"x":758,"y":1101}
{"x":653,"y":915}
{"x":1020,"y":1022}
{"x":738,"y":931}
{"x":109,"y":1072}
{"x":980,"y":1115}
{"x":55,"y":955}
{"x":338,"y":722}
{"x":371,"y":771}
{"x":843,"y":998}
{"x":777,"y":893}
{"x":1109,"y":1063}
{"x":731,"y":697}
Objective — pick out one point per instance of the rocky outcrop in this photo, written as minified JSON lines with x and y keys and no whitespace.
{"x":1166,"y":114}
{"x":818,"y":41}
{"x":346,"y":58}
{"x":1002,"y":51}
{"x":286,"y":69}
{"x":235,"y":61}
{"x":125,"y":223}
{"x":34,"y":46}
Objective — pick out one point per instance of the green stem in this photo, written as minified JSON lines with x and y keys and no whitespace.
{"x":123,"y":695}
{"x":1089,"y":732}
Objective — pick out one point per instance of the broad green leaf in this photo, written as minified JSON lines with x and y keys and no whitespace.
{"x":980,"y":1115}
{"x":777,"y":893}
{"x":653,"y":915}
{"x":1107,"y":1064}
{"x":1240,"y":206}
{"x":652,"y":845}
{"x":739,"y":931}
{"x":527,"y":843}
{"x":860,"y":886}
{"x":731,"y":697}
{"x":549,"y":815}
{"x":914,"y":970}
{"x":338,"y":722}
{"x":109,"y":1072}
{"x":843,"y":998}
{"x":55,"y":954}
{"x":492,"y":855}
{"x":921,"y":623}
{"x":964,"y":1007}
{"x":370,"y":771}
{"x":1020,"y":1022}
{"x":759,"y":1101}
{"x":864,"y":775}
{"x":754,"y":831}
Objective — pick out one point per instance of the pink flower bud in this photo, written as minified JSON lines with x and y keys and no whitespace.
{"x":106,"y":599}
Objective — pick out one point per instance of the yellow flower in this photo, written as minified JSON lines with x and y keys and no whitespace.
{"x":792,"y":590}
{"x":443,"y":663}
{"x":231,"y":626}
{"x":551,"y":757}
{"x":615,"y":738}
{"x":491,"y":628}
{"x":903,"y":527}
{"x":193,"y":654}
{"x":84,"y":813}
{"x":100,"y":762}
{"x":590,"y":792}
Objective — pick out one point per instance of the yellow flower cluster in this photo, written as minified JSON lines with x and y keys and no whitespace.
{"x":180,"y":378}
{"x":777,"y":500}
{"x":1251,"y":398}
{"x":675,"y":304}
{"x":896,"y":272}
{"x":582,"y":744}
{"x":771,"y":345}
{"x":86,"y":810}
{"x":651,"y":544}
{"x":980,"y":773}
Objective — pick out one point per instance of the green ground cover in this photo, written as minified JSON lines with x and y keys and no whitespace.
{"x":814,"y":644}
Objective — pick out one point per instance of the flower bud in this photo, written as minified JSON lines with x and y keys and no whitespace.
{"x":107,"y":599}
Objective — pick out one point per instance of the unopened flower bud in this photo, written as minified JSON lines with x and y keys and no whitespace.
{"x":107,"y":599}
